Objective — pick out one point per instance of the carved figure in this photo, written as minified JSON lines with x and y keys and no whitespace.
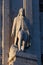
{"x":20,"y":30}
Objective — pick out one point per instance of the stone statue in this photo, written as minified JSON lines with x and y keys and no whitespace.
{"x":20,"y":31}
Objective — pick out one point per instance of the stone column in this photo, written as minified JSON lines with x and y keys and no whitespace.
{"x":24,"y":5}
{"x":5,"y":31}
{"x":27,"y":5}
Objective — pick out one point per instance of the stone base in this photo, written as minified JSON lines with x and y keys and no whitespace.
{"x":23,"y":58}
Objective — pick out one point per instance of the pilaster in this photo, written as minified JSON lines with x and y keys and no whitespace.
{"x":5,"y":31}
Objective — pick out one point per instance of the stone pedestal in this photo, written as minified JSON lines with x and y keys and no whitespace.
{"x":22,"y":58}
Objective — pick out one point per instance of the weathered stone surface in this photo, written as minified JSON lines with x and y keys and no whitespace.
{"x":23,"y":58}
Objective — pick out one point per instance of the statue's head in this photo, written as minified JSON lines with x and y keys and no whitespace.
{"x":22,"y":12}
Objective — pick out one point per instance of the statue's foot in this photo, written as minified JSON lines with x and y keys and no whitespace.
{"x":22,"y":48}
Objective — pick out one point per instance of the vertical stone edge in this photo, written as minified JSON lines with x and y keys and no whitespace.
{"x":5,"y":31}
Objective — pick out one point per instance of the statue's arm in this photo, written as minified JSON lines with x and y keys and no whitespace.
{"x":13,"y":27}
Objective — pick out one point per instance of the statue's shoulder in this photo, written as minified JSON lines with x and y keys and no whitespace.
{"x":15,"y":18}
